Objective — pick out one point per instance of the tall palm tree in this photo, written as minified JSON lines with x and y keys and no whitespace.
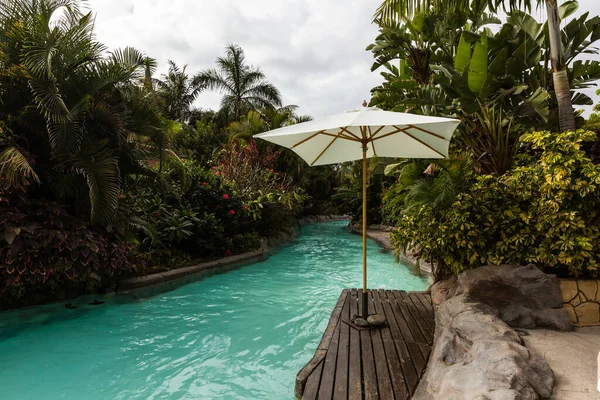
{"x":244,"y":87}
{"x":391,"y":11}
{"x":177,"y":92}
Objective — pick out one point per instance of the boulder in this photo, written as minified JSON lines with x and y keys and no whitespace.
{"x":523,"y":296}
{"x":443,"y":290}
{"x":478,"y":356}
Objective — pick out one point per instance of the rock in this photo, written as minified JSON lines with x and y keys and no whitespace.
{"x":524,"y":296}
{"x":587,"y":313}
{"x":361,"y":322}
{"x":572,"y":314}
{"x":588,"y":288}
{"x":376,"y":319}
{"x":568,"y":289}
{"x":443,"y":290}
{"x":478,"y":356}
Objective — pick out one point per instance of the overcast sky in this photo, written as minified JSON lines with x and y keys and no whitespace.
{"x":312,"y":50}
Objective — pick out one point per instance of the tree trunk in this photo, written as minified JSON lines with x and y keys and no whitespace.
{"x":560,"y":78}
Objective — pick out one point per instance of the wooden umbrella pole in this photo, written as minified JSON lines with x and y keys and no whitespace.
{"x":365,"y":295}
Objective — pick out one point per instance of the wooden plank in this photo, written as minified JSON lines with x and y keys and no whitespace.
{"x":426,"y":300}
{"x":425,"y":318}
{"x":398,"y":386}
{"x":404,"y":320}
{"x":410,"y":374}
{"x":334,"y":320}
{"x":402,"y":313}
{"x":329,"y":366}
{"x":355,"y":391}
{"x":399,"y":317}
{"x":411,"y":321}
{"x":369,"y":375}
{"x":308,"y":369}
{"x":384,"y":384}
{"x":418,"y":320}
{"x":340,"y":391}
{"x":312,"y":384}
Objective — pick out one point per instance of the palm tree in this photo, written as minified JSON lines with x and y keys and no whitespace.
{"x":73,"y":114}
{"x":244,"y":87}
{"x":392,"y":11}
{"x":177,"y":92}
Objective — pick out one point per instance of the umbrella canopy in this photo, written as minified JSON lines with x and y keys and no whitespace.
{"x":361,"y":134}
{"x":339,"y":138}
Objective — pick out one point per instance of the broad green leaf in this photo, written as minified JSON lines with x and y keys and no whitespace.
{"x":418,"y":22}
{"x":463,"y":54}
{"x":498,"y":64}
{"x":479,"y":66}
{"x":567,"y":9}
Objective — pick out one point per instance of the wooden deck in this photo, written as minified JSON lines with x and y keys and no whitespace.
{"x":384,"y":363}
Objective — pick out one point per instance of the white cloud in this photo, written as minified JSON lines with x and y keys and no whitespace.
{"x":312,"y":50}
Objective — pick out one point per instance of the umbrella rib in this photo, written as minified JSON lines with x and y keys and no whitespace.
{"x":324,"y":150}
{"x":308,"y":138}
{"x":428,"y":132}
{"x":423,"y":143}
{"x":388,"y":134}
{"x":371,"y":134}
{"x":345,"y":129}
{"x":340,"y":135}
{"x":376,"y":132}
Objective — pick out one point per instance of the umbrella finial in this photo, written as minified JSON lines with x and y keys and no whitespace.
{"x":364,"y":104}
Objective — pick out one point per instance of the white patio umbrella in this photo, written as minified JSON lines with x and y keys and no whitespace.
{"x":361,"y":134}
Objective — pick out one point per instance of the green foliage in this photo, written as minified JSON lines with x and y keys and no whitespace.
{"x":199,"y":142}
{"x":244,"y":87}
{"x":421,"y":186}
{"x":272,"y":198}
{"x":176,"y":93}
{"x":45,"y":251}
{"x":546,"y":210}
{"x":76,"y":117}
{"x":348,"y":195}
{"x":460,"y":67}
{"x":198,"y":212}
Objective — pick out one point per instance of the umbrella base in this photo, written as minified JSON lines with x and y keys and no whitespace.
{"x":371,"y":322}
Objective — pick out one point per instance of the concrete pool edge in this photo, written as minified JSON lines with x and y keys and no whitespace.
{"x":159,"y":278}
{"x":196,"y":272}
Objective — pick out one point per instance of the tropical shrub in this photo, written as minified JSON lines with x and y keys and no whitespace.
{"x":272,"y":198}
{"x":197,"y":211}
{"x":545,"y":210}
{"x":46,"y":252}
{"x":199,"y":142}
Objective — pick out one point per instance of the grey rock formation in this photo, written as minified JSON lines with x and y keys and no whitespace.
{"x":478,"y":356}
{"x":443,"y":290}
{"x":524,"y":296}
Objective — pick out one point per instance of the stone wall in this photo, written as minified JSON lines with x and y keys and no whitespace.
{"x":581,"y":298}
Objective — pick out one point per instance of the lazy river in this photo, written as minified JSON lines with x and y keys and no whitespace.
{"x":243,"y":334}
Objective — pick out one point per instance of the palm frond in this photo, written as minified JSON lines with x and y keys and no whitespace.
{"x":15,"y":168}
{"x":97,"y":163}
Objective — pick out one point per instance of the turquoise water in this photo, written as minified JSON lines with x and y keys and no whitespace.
{"x":239,"y":335}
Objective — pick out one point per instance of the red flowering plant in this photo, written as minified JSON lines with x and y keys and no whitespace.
{"x":196,"y":212}
{"x":270,"y":196}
